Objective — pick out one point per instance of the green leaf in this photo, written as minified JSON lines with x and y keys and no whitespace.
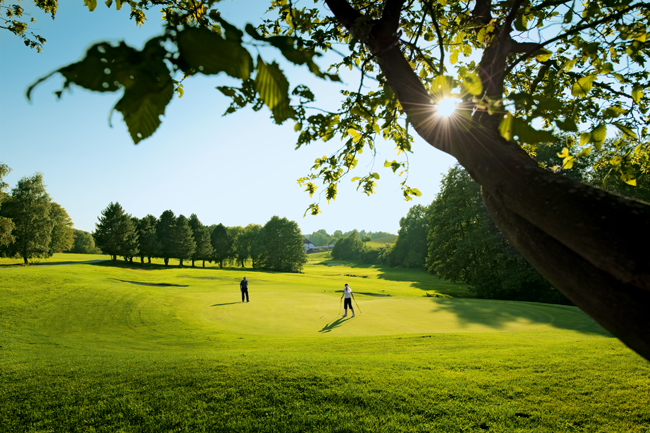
{"x":568,"y":125}
{"x":543,"y":55}
{"x":568,"y":17}
{"x":143,"y":75}
{"x":566,"y":67}
{"x":142,"y":107}
{"x":355,"y":135}
{"x":583,"y":86}
{"x":90,"y":4}
{"x":613,"y":112}
{"x":232,"y":32}
{"x":585,"y":138}
{"x":637,"y":93}
{"x":298,"y":56}
{"x":273,"y":89}
{"x":598,"y":135}
{"x":442,"y":86}
{"x":472,"y":84}
{"x":625,"y":130}
{"x":206,"y":52}
{"x":511,"y":127}
{"x":521,"y":22}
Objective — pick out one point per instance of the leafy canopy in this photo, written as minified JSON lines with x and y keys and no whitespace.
{"x":570,"y":68}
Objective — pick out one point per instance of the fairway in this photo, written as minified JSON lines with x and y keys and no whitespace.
{"x":131,"y":348}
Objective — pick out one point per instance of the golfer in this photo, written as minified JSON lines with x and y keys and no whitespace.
{"x":347,"y":292}
{"x":243,"y":286}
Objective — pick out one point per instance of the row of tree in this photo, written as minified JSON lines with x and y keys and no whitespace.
{"x":278,"y":245}
{"x":321,"y":237}
{"x":31,"y":224}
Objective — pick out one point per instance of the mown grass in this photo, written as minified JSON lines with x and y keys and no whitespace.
{"x":84,"y":348}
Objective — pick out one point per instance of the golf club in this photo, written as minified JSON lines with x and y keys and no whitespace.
{"x":355,"y":301}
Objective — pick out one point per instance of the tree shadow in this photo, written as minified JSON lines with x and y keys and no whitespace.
{"x":419,"y":278}
{"x":44,"y":264}
{"x":501,"y":314}
{"x":333,"y":325}
{"x":141,"y":283}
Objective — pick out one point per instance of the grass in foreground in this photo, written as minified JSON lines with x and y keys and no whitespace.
{"x":84,"y":348}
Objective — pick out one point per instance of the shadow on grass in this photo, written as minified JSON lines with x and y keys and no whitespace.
{"x":39,"y":264}
{"x":140,"y":283}
{"x":419,"y":278}
{"x":333,"y":325}
{"x":227,"y":303}
{"x":499,"y":314}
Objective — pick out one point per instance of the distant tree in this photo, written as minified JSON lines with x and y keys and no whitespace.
{"x":320,"y":238}
{"x":465,"y":245}
{"x":6,"y":225}
{"x":337,"y":234}
{"x":114,"y":232}
{"x":201,"y":235}
{"x":366,"y":238}
{"x":233,"y":234}
{"x":148,"y":244}
{"x":221,"y":244}
{"x":28,"y":207}
{"x":62,"y":237}
{"x":255,"y":244}
{"x":378,"y":235}
{"x":165,"y":228}
{"x":184,"y":245}
{"x":83,"y":243}
{"x":410,"y":248}
{"x":283,"y":246}
{"x":349,"y":247}
{"x":131,"y":245}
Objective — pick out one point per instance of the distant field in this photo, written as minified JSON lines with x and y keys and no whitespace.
{"x":130,"y":348}
{"x":54,"y":260}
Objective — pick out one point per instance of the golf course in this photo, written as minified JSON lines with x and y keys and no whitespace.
{"x":93,"y":347}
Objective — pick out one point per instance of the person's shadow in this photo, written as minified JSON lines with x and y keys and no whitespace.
{"x":333,"y":325}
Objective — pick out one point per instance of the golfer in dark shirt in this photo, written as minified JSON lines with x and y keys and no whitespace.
{"x":244,"y":289}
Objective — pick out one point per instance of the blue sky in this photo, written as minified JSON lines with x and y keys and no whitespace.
{"x":235,"y":170}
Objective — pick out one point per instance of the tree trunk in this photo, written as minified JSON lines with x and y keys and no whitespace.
{"x":166,"y":260}
{"x":590,"y":244}
{"x":204,"y":263}
{"x":180,"y":262}
{"x":25,"y":260}
{"x":114,"y":256}
{"x":149,"y":259}
{"x":192,"y":262}
{"x":142,"y":260}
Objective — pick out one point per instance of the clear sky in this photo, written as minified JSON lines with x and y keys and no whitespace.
{"x":235,"y":170}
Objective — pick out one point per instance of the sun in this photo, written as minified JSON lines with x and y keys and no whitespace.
{"x":447,"y":106}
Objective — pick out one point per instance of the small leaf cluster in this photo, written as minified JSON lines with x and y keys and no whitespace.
{"x":11,"y":19}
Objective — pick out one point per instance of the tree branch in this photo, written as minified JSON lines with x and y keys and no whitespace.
{"x":571,"y":32}
{"x":439,"y":34}
{"x":483,"y":11}
{"x":344,"y":13}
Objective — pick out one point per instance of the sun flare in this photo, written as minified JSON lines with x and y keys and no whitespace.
{"x":447,"y":106}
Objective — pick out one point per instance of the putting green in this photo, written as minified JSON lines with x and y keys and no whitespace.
{"x":273,"y":313}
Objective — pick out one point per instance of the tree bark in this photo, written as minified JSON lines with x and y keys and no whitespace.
{"x":589,"y":243}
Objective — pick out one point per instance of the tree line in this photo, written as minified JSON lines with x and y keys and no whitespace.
{"x":31,"y":224}
{"x":277,"y":246}
{"x":321,"y":237}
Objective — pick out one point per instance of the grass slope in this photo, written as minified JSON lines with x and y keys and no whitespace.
{"x":102,"y":348}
